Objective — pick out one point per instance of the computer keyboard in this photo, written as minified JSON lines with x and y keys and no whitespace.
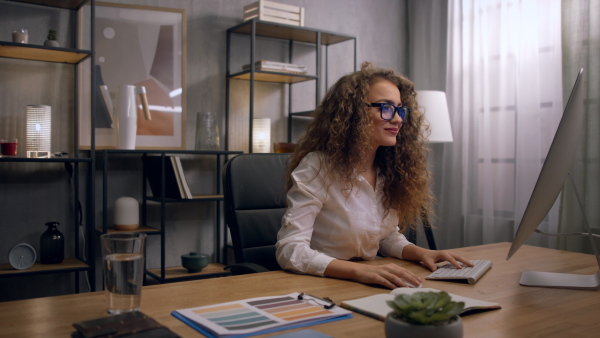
{"x":469,"y":274}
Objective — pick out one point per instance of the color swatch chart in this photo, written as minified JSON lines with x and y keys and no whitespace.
{"x":259,"y":314}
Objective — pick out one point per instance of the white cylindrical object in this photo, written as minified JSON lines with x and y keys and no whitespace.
{"x":261,"y":136}
{"x":39,"y":134}
{"x":127,"y":214}
{"x":126,"y":117}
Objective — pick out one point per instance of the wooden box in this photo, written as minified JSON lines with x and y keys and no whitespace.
{"x":274,"y":12}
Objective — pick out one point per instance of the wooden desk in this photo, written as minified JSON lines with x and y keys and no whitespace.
{"x":526,"y":311}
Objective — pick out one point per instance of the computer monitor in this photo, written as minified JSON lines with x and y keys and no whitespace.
{"x":549,"y":184}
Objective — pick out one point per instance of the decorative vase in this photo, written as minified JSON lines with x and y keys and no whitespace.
{"x":127,"y":214}
{"x":207,"y":131}
{"x":124,"y":112}
{"x":395,"y":327}
{"x":52,"y":245}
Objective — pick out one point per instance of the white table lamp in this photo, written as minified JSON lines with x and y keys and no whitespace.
{"x":39,"y":123}
{"x":435,"y":108}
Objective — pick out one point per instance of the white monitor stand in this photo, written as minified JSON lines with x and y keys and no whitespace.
{"x":567,"y":280}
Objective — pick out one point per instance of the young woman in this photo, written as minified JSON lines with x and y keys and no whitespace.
{"x":356,"y":181}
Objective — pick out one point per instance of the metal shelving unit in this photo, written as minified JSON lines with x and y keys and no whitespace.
{"x":74,"y":56}
{"x":292,"y":34}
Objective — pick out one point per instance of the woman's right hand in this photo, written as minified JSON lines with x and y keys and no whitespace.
{"x":389,"y":275}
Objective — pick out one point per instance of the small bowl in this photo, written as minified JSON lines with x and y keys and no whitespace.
{"x":194,"y":262}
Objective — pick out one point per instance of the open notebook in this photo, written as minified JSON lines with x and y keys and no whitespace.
{"x":376,"y":306}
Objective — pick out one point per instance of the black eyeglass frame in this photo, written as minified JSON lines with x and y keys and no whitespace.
{"x":403,"y":111}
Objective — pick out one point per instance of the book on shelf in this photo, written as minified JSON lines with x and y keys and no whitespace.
{"x":277,"y":66}
{"x":261,"y":315}
{"x":175,"y":184}
{"x":181,"y":177}
{"x":177,"y":177}
{"x":376,"y":307}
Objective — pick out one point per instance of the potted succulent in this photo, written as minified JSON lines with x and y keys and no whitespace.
{"x":51,"y":40}
{"x":424,"y":314}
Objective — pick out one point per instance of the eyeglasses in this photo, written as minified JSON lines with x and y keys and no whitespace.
{"x":388,"y":111}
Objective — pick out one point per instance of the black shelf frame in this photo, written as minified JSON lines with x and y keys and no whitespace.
{"x":220,"y":228}
{"x":74,"y":56}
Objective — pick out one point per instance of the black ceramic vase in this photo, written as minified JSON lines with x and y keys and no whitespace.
{"x":52,"y":245}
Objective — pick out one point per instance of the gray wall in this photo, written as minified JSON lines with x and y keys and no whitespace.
{"x":33,"y":194}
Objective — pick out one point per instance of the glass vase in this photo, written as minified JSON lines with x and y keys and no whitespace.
{"x":52,"y":245}
{"x":207,"y":131}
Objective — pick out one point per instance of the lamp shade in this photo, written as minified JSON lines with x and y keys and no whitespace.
{"x":261,"y":135}
{"x":39,"y":120}
{"x":435,"y":107}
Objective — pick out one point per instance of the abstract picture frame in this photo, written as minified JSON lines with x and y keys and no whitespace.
{"x":142,"y":46}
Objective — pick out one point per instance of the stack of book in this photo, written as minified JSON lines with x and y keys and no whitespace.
{"x":275,"y":12}
{"x":176,"y":185}
{"x":275,"y":66}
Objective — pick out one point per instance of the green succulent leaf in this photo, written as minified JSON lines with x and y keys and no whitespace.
{"x":426,"y":307}
{"x":442,"y":300}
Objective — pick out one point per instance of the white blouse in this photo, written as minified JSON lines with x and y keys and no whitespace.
{"x":323,"y":224}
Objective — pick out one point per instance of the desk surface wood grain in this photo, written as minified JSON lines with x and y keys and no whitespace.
{"x":526,"y":311}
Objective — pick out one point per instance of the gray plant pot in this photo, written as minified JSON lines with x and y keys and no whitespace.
{"x":51,"y":43}
{"x":395,"y":327}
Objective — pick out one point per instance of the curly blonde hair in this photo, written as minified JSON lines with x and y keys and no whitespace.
{"x":342,"y":129}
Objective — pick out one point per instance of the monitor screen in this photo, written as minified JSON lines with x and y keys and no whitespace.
{"x":547,"y":188}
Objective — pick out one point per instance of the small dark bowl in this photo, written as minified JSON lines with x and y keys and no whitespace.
{"x":194,"y":261}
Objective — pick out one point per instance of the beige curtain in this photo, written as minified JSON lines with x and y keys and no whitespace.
{"x":505,"y":97}
{"x":581,"y":49}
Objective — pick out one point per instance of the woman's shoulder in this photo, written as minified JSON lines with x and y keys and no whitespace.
{"x":315,"y":159}
{"x":314,"y":156}
{"x":311,"y":164}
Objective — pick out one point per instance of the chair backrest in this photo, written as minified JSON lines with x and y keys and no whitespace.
{"x":253,"y":187}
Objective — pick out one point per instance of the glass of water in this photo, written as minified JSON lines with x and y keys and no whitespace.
{"x":123,"y":268}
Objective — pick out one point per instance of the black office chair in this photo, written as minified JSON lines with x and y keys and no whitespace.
{"x":411,"y":234}
{"x":253,"y":187}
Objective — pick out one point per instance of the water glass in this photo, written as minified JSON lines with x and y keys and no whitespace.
{"x":123,"y":268}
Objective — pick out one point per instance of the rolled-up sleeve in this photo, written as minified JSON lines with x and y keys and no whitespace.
{"x":305,"y":200}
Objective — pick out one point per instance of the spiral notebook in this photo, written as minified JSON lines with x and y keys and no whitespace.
{"x":261,"y":315}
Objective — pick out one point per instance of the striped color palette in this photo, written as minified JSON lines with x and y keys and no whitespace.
{"x":236,"y":316}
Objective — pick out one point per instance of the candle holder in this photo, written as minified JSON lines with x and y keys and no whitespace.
{"x":261,"y":136}
{"x":20,"y":35}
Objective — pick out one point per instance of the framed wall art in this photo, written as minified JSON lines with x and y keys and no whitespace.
{"x":140,"y":46}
